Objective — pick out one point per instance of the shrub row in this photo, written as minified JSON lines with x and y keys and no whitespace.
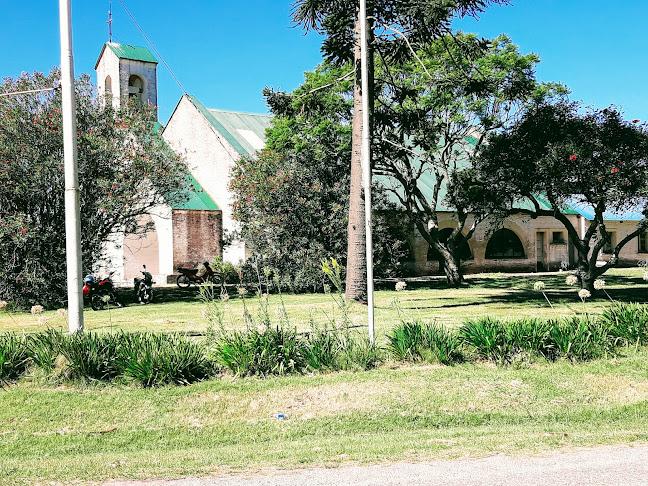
{"x":156,"y":359}
{"x":147,"y":358}
{"x":278,"y":350}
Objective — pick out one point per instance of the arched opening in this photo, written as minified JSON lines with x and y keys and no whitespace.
{"x":444,"y":234}
{"x":135,"y":87}
{"x":504,"y":244}
{"x":108,"y":89}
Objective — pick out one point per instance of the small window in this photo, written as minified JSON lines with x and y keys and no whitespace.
{"x":610,"y":243}
{"x":643,"y":243}
{"x":108,"y":86}
{"x":557,"y":237}
{"x":504,"y":244}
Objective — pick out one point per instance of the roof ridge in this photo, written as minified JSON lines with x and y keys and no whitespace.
{"x":240,"y":112}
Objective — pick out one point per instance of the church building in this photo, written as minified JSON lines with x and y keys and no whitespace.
{"x":212,"y":140}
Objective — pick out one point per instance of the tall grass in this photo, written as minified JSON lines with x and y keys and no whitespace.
{"x":14,"y":358}
{"x":627,"y":323}
{"x":413,"y":340}
{"x":580,"y":338}
{"x":159,"y":359}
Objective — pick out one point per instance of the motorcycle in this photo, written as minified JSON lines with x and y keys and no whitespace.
{"x":189,"y":276}
{"x":144,"y":287}
{"x":100,"y":293}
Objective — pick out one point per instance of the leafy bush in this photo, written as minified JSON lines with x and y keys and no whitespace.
{"x":404,"y":341}
{"x":90,"y":355}
{"x":154,"y":359}
{"x":260,"y":351}
{"x":440,"y":344}
{"x":627,"y":323}
{"x":413,"y":340}
{"x":356,"y":353}
{"x":488,"y":339}
{"x":579,"y":338}
{"x":14,"y":358}
{"x":530,"y":336}
{"x":321,"y":348}
{"x":43,"y":348}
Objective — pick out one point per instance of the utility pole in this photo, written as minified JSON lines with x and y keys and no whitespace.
{"x":366,"y":163}
{"x":72,"y":204}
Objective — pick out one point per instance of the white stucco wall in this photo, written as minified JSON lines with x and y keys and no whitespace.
{"x":120,"y":70}
{"x":161,"y":216}
{"x":210,"y":158}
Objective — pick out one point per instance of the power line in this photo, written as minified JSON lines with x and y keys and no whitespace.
{"x":15,"y":93}
{"x":151,"y":44}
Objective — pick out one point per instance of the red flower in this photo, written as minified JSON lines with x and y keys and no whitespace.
{"x":600,"y":178}
{"x":572,"y":158}
{"x":636,"y":121}
{"x":614,"y":170}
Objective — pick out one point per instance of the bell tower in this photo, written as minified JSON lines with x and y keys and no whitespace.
{"x":125,"y":72}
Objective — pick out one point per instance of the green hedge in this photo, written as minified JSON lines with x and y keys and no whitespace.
{"x":154,"y":359}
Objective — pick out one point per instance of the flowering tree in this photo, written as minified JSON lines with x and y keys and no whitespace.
{"x":125,"y":169}
{"x":595,"y":160}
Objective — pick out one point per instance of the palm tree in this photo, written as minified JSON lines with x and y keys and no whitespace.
{"x":404,"y":25}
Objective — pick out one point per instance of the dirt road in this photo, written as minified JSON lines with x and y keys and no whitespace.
{"x":620,"y":465}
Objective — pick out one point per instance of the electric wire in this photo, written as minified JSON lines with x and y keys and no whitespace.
{"x":152,"y":46}
{"x":16,"y":93}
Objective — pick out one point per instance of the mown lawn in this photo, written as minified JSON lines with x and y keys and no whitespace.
{"x":394,"y":413}
{"x":489,"y":294}
{"x":51,"y":431}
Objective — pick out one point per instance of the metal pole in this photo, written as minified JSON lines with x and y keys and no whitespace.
{"x":72,"y":212}
{"x":366,"y":164}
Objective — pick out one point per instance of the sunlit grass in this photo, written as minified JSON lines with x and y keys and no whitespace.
{"x":497,"y":295}
{"x":396,"y":412}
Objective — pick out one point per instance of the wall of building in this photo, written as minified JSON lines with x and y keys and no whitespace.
{"x":120,"y":70}
{"x":210,"y":158}
{"x":552,"y":252}
{"x":197,"y":236}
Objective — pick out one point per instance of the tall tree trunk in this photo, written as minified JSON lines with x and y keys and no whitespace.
{"x":587,"y":274}
{"x":356,"y":273}
{"x":451,"y":268}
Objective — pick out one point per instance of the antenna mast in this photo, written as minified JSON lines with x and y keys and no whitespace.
{"x":109,"y":22}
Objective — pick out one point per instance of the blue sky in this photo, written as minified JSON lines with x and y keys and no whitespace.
{"x":225,"y":52}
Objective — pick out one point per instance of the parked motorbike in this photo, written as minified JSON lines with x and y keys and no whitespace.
{"x":100,"y":293}
{"x":144,"y":287}
{"x":189,"y":276}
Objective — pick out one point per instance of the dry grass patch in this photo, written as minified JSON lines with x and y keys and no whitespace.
{"x":318,"y":401}
{"x":615,"y":389}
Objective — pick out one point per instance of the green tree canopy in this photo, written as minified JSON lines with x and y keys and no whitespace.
{"x":569,"y":156}
{"x":125,"y":169}
{"x":292,"y":199}
{"x":432,"y":114}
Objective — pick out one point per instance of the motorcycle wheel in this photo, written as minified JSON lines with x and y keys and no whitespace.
{"x":183,"y":281}
{"x":145,"y":295}
{"x":96,"y":302}
{"x":114,"y":301}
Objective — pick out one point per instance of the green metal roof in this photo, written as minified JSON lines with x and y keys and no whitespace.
{"x":241,"y":130}
{"x":427,"y":182}
{"x":198,"y":198}
{"x":135,"y":53}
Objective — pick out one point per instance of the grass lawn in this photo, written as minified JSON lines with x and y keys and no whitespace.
{"x":81,"y":432}
{"x":493,"y":294}
{"x":394,"y":413}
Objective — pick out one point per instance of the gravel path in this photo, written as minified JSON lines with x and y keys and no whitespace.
{"x":619,"y":465}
